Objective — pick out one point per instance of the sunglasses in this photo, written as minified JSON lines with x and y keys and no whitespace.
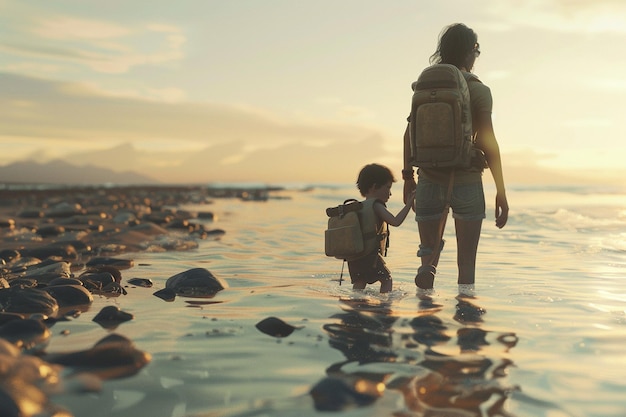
{"x":476,"y":49}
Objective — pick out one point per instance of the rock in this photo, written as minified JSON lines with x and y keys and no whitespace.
{"x":27,"y":334}
{"x":7,"y":317}
{"x":30,"y":214}
{"x":166,"y":294}
{"x":112,"y":357}
{"x":47,"y":270}
{"x":206,"y":215}
{"x":114,"y":262}
{"x":141,"y":282}
{"x":50,"y":230}
{"x":275,"y":327}
{"x":110,"y":317}
{"x":64,"y":210}
{"x":96,"y":280}
{"x":196,"y":282}
{"x":7,"y":223}
{"x":62,"y":250}
{"x":27,"y":301}
{"x":64,"y":281}
{"x":9,"y":255}
{"x":70,"y":295}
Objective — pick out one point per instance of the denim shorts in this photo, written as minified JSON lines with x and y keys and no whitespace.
{"x":467,"y":201}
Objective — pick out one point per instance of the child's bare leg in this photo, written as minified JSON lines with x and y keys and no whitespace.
{"x":359,"y":285}
{"x":386,"y":285}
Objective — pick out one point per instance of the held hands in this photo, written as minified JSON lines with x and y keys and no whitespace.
{"x":502,"y":210}
{"x":408,"y":192}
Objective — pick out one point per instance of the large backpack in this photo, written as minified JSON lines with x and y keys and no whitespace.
{"x":441,"y":118}
{"x":352,"y":231}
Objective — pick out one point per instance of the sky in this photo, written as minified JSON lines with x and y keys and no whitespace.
{"x":178,"y":78}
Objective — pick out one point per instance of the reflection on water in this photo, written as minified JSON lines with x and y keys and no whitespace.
{"x":439,"y":365}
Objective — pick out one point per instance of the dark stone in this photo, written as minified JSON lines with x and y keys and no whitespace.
{"x":64,"y":210}
{"x":111,"y":316}
{"x":97,"y":280}
{"x":141,"y":282}
{"x":64,"y":281}
{"x":30,"y":214}
{"x":215,"y":232}
{"x":27,"y":334}
{"x":50,"y":230}
{"x":196,"y":282}
{"x":8,"y":405}
{"x":206,"y":215}
{"x":62,"y":250}
{"x":114,"y":272}
{"x":7,"y":223}
{"x":275,"y":327}
{"x":70,"y":295}
{"x":9,"y":255}
{"x":114,"y":262}
{"x":27,"y":301}
{"x":166,"y":294}
{"x":24,"y":283}
{"x":7,"y":317}
{"x":112,"y":357}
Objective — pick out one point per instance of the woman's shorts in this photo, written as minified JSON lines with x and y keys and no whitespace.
{"x":467,"y":200}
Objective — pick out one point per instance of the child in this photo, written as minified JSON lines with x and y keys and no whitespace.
{"x":374,"y":183}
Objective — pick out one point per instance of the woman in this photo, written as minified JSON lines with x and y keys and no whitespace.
{"x":458,"y":45}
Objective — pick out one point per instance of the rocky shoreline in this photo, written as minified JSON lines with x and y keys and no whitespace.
{"x":58,"y":247}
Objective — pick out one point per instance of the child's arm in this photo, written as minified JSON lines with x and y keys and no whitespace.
{"x":384,"y":214}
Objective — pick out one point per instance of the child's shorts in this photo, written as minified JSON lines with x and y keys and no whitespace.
{"x":370,"y":269}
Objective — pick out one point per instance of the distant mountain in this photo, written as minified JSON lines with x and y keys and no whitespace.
{"x":60,"y":172}
{"x":234,"y":162}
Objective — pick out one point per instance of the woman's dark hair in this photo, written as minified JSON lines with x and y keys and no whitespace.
{"x":455,"y":43}
{"x":373,"y":174}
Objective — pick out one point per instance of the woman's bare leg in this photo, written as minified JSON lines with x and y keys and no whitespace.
{"x":429,"y":235}
{"x":467,"y":237}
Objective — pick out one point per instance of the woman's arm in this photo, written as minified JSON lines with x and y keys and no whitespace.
{"x":486,"y":141}
{"x":407,"y":168}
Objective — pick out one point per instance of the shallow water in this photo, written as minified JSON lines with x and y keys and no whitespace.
{"x":542,"y":335}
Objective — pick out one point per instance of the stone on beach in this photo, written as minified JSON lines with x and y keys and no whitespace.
{"x":114,"y":356}
{"x":70,"y":295}
{"x":27,"y":301}
{"x":59,"y":247}
{"x":111,"y":316}
{"x":117,"y":263}
{"x":275,"y":327}
{"x":196,"y":282}
{"x":29,"y":335}
{"x":166,"y":294}
{"x":141,"y":282}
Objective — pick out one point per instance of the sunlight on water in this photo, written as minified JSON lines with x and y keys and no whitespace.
{"x":541,"y":335}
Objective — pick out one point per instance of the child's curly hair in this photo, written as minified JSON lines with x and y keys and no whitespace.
{"x":373,"y":174}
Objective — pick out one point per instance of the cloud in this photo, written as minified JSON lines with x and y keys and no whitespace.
{"x":72,"y":28}
{"x":101,"y":46}
{"x":49,"y":109}
{"x":571,"y":16}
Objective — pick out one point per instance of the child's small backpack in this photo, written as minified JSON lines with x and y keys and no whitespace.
{"x":352,"y":232}
{"x":441,"y":118}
